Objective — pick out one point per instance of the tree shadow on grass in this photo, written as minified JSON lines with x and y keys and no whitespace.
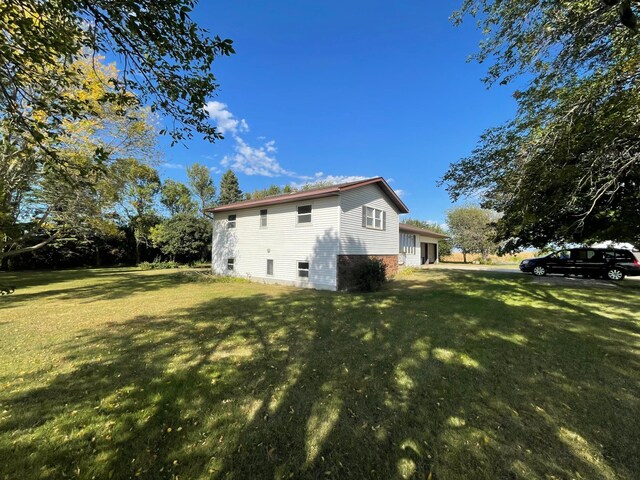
{"x":107,"y":284}
{"x":457,"y":377}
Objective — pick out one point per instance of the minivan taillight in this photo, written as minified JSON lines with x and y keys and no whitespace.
{"x":635,"y":262}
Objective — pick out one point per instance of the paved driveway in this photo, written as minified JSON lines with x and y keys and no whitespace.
{"x":546,"y":280}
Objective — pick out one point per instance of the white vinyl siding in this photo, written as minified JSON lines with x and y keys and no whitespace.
{"x":409,"y":250}
{"x":412,"y":256}
{"x":355,"y":237}
{"x":251,"y":245}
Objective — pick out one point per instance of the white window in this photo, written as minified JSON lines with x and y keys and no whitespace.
{"x":304,"y":214}
{"x":263,"y":218}
{"x":303,"y":269}
{"x":374,"y":218}
{"x":230,"y":263}
{"x":270,"y":267}
{"x":231,"y":221}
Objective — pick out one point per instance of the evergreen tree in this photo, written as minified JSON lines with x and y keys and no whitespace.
{"x":229,"y":189}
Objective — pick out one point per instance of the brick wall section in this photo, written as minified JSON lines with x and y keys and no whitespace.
{"x":345,"y":261}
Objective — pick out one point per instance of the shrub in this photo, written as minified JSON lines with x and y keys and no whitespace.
{"x":367,"y":275}
{"x":158,"y":264}
{"x":195,"y":276}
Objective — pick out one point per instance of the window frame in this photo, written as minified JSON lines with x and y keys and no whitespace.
{"x":298,"y":214}
{"x":298,"y":269}
{"x":231,"y":264}
{"x":373,"y":217}
{"x":264,"y":217}
{"x":231,"y":223}
{"x":270,"y":260}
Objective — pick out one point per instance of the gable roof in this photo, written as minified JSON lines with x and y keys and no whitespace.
{"x":421,"y":231}
{"x":321,"y":192}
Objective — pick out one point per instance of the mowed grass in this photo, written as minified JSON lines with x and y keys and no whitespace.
{"x":118,"y":373}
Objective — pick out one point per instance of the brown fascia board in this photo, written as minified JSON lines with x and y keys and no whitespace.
{"x":410,"y":228}
{"x":291,"y":197}
{"x":311,"y":194}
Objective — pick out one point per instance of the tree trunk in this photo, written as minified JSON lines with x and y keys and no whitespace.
{"x":98,"y":258}
{"x":137,"y":253}
{"x":464,"y":256}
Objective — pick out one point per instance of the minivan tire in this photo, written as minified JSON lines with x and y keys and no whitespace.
{"x":539,"y":271}
{"x":615,"y":274}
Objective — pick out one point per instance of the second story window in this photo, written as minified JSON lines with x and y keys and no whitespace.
{"x":373,"y":218}
{"x":263,"y":218}
{"x":304,"y":214}
{"x":231,"y":221}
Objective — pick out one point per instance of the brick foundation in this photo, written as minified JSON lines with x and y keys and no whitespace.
{"x":345,"y":262}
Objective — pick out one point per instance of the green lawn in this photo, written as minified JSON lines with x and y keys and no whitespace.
{"x":118,"y":373}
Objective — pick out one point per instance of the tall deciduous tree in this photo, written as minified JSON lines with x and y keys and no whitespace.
{"x":165,"y":57}
{"x":229,"y":189}
{"x":185,"y":237}
{"x":264,"y":193}
{"x":40,"y":204}
{"x":202,"y":185}
{"x":176,"y":197}
{"x":471,"y":229}
{"x":567,"y":167}
{"x":141,"y":186}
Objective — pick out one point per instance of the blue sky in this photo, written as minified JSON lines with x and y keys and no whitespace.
{"x":343,"y":89}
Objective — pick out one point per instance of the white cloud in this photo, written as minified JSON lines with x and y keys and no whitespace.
{"x":259,"y":160}
{"x":255,"y":160}
{"x":224,"y":119}
{"x":176,"y":166}
{"x":400,"y":192}
{"x":322,"y":178}
{"x":215,"y":169}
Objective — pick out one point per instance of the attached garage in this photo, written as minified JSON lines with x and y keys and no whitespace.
{"x":418,"y":246}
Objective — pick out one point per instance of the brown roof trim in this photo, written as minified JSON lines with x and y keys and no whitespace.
{"x":421,"y":231}
{"x":311,"y":194}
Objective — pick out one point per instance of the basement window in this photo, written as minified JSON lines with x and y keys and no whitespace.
{"x":230,"y":264}
{"x":270,"y":267}
{"x":303,"y":270}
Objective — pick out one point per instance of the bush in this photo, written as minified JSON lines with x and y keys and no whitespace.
{"x":367,"y":275}
{"x":158,"y":264}
{"x":195,"y":276}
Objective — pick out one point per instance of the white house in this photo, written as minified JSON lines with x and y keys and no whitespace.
{"x":308,"y":238}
